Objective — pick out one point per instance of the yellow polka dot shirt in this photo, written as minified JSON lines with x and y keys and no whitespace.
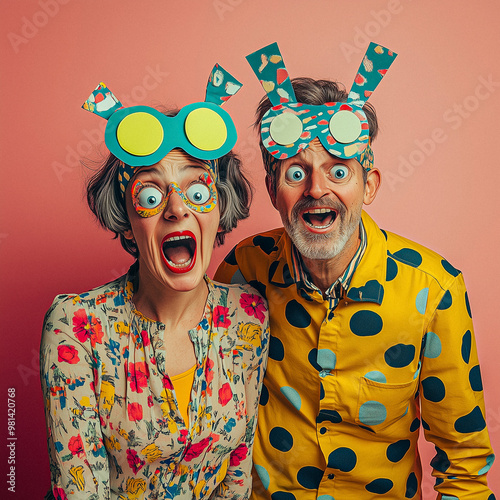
{"x":348,"y":389}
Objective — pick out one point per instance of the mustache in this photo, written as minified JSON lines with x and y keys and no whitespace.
{"x":311,"y":203}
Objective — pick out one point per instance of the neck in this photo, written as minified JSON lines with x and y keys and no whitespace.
{"x":326,"y":272}
{"x":171,"y":307}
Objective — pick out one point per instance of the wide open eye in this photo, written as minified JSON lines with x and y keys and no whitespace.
{"x":339,"y":172}
{"x":295,"y":174}
{"x":149,"y":197}
{"x":198,"y":194}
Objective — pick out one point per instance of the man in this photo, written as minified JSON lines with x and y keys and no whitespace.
{"x":371,"y":334}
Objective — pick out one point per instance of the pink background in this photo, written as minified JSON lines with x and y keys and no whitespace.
{"x":438,"y":107}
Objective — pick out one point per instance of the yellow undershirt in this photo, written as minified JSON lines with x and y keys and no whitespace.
{"x":183,"y":384}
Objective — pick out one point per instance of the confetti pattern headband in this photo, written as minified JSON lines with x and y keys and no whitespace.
{"x":142,"y":136}
{"x":289,"y":126}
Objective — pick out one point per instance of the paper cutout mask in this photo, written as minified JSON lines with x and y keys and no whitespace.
{"x":142,"y":136}
{"x":289,"y":126}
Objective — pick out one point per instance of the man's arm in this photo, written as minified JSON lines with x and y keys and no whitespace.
{"x":453,"y":413}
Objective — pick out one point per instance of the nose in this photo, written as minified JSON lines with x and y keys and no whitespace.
{"x":317,"y":185}
{"x":176,"y":209}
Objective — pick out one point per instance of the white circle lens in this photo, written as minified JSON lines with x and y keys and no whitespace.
{"x":285,"y":129}
{"x":198,"y":194}
{"x":345,"y":126}
{"x":295,"y":174}
{"x":150,"y":197}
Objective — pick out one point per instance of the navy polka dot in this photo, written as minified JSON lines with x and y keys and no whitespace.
{"x":365,"y":323}
{"x":425,"y":425}
{"x":313,"y":359}
{"x":343,"y":459}
{"x":321,"y":391}
{"x":392,"y":269}
{"x":372,"y":289}
{"x":260,"y":287}
{"x":264,"y":396}
{"x":409,"y":256}
{"x":433,"y":389}
{"x":399,"y":355}
{"x":282,"y":495}
{"x":411,"y":486}
{"x":396,"y":451}
{"x":276,"y":349}
{"x":467,"y":304}
{"x":231,"y":257}
{"x":466,"y":345}
{"x":449,"y":268}
{"x":475,"y":378}
{"x":379,"y":486}
{"x":284,"y":278}
{"x":309,"y":477}
{"x":296,"y":315}
{"x":473,"y":422}
{"x":323,"y":430}
{"x":446,"y":301}
{"x":415,"y":425}
{"x":491,"y":497}
{"x":329,"y":416}
{"x":265,"y":243}
{"x":384,"y":233}
{"x":281,"y":439}
{"x":440,"y":461}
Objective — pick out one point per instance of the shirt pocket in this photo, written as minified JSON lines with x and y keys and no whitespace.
{"x":381,"y":405}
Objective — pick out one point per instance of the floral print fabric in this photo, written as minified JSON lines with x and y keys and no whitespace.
{"x":114,"y":428}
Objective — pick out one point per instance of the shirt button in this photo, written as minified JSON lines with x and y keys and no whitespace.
{"x":331,"y":476}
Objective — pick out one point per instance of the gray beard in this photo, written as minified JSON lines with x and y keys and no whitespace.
{"x":321,"y":246}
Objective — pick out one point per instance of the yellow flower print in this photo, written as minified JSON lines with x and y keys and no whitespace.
{"x":121,"y":328}
{"x":107,"y":397}
{"x":222,"y":471}
{"x":151,"y":452}
{"x":136,"y":487}
{"x":200,"y":485}
{"x":112,"y":443}
{"x":250,"y":332}
{"x":76,"y":473}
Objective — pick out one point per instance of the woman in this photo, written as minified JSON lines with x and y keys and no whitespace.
{"x":152,"y":381}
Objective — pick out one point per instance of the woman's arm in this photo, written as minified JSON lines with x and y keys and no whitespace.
{"x":78,"y":459}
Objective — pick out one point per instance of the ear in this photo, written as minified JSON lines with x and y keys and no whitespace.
{"x":373,"y":179}
{"x":270,"y":190}
{"x":128,"y":234}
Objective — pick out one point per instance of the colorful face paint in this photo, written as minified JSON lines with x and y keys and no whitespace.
{"x":342,"y":127}
{"x":142,"y":136}
{"x":149,"y":200}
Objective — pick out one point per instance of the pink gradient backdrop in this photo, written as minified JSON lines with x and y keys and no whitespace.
{"x":433,"y":100}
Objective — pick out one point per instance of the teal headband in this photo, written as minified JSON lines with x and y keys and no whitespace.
{"x":289,"y":126}
{"x":142,"y":136}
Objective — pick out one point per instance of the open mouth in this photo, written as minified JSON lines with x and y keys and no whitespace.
{"x":319,"y":218}
{"x":179,"y":251}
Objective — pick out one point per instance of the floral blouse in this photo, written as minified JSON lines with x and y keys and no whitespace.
{"x":114,"y":427}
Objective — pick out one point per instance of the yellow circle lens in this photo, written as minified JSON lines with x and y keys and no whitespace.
{"x":205,"y":129}
{"x":140,"y":134}
{"x":285,"y":129}
{"x":345,"y":126}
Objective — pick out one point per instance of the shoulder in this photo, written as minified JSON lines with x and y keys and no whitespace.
{"x":260,"y":243}
{"x":409,"y":253}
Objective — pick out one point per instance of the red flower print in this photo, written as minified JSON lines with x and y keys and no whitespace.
{"x":137,"y":374}
{"x":150,"y":401}
{"x":67,"y":353}
{"x":196,"y":449}
{"x":145,"y":338}
{"x":134,"y":412}
{"x":253,"y":306}
{"x":225,"y":394}
{"x":238,"y":455}
{"x":134,"y":462}
{"x":182,"y":436}
{"x":87,"y":327}
{"x":220,"y":317}
{"x":75,"y":445}
{"x":59,"y":494}
{"x":167,"y":383}
{"x":209,"y":375}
